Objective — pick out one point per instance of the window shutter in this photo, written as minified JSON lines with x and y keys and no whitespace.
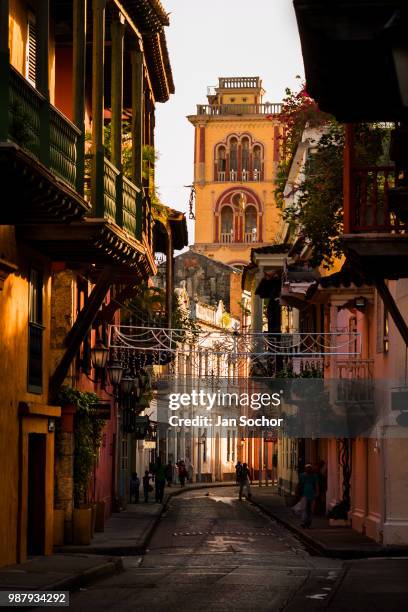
{"x":31,"y":49}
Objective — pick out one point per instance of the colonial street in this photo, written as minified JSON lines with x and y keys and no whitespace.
{"x":212,"y":552}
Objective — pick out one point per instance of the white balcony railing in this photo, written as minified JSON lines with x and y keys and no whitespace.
{"x":250,"y":236}
{"x":226,"y":237}
{"x":221,"y":175}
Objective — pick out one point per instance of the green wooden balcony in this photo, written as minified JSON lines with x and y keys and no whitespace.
{"x":40,"y":129}
{"x":116,"y":195}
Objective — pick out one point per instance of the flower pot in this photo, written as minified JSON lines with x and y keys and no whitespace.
{"x":82,"y":526}
{"x":59,"y":524}
{"x":100,"y":516}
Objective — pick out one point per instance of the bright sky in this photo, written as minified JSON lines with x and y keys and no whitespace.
{"x":212,"y":38}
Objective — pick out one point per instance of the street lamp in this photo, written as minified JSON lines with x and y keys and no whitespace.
{"x":115,"y":371}
{"x":99,"y":355}
{"x":126,"y":384}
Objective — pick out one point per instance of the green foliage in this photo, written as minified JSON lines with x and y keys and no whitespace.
{"x":19,"y":127}
{"x":88,"y":438}
{"x":298,"y":111}
{"x":307,"y":372}
{"x":317,"y":212}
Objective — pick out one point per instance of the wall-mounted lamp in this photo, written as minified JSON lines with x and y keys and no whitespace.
{"x":99,"y":354}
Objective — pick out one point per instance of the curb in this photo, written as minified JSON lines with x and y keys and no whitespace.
{"x":317,"y":548}
{"x":103,"y":570}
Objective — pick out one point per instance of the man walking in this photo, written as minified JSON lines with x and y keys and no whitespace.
{"x":159,"y":480}
{"x":309,"y":490}
{"x":244,"y":480}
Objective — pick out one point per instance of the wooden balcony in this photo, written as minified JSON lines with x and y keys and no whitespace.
{"x":38,"y":157}
{"x":214,"y":110}
{"x":356,"y":369}
{"x":375,"y":231}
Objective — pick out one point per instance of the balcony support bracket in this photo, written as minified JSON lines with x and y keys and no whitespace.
{"x":80,"y":328}
{"x":391,"y":306}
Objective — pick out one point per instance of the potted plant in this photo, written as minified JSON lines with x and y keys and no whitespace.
{"x":87,"y":439}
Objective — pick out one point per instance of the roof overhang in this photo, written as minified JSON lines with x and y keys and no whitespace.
{"x":356,"y":57}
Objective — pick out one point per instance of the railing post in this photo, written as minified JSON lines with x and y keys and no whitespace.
{"x":4,"y":69}
{"x":42,"y":79}
{"x":98,"y":60}
{"x":78,"y":86}
{"x":118,"y":33}
{"x":137,"y":132}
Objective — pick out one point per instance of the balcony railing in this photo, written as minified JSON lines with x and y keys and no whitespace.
{"x":119,"y":196}
{"x":369,"y":204}
{"x":240,"y":83}
{"x":226,"y":237}
{"x":39,"y":128}
{"x":239,"y":109}
{"x":242,"y":175}
{"x":361,"y":369}
{"x":250,"y":236}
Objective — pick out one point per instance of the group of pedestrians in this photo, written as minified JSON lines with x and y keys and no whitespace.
{"x":160,"y":474}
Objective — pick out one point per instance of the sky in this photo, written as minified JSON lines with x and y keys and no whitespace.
{"x":208,"y":39}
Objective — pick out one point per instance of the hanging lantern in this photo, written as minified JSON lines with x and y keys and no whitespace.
{"x":99,"y":354}
{"x":115,"y":371}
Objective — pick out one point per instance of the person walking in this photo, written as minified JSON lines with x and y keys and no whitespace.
{"x":169,"y":474}
{"x":244,"y":480}
{"x":159,"y":480}
{"x":134,"y":488}
{"x":146,"y":486}
{"x":182,"y":473}
{"x":238,"y":469}
{"x":309,"y":491}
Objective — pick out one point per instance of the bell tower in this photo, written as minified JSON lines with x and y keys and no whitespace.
{"x":236,"y":154}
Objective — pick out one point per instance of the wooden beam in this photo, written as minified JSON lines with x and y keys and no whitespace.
{"x":80,"y":328}
{"x":78,"y":84}
{"x":117,"y":33}
{"x":137,"y":132}
{"x":4,"y":69}
{"x":98,"y":63}
{"x":392,"y":308}
{"x":106,"y":314}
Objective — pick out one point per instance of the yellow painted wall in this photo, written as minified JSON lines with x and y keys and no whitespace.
{"x":208,"y":191}
{"x":18,"y":17}
{"x":13,"y":390}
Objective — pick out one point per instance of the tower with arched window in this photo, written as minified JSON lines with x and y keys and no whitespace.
{"x":236,"y":154}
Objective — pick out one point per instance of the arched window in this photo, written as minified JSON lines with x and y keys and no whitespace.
{"x":233,"y":159}
{"x":221,"y":163}
{"x":250,"y":224}
{"x":227,"y":224}
{"x":257,"y":162}
{"x":245,"y":159}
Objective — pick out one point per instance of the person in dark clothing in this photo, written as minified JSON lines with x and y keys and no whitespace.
{"x":238,"y":469}
{"x":134,"y":488}
{"x":159,"y":480}
{"x":244,"y":480}
{"x":309,"y":490}
{"x":146,"y":485}
{"x":169,"y":474}
{"x":182,"y":473}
